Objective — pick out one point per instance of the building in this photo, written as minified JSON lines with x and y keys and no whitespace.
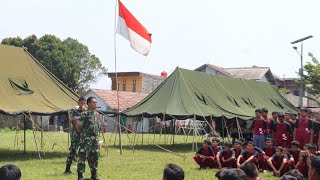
{"x":107,"y":102}
{"x":136,"y":81}
{"x":262,"y":74}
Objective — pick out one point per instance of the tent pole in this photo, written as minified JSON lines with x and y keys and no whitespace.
{"x":163,"y":119}
{"x":42,"y":134}
{"x":194,"y":117}
{"x":24,"y":134}
{"x":142,"y":126}
{"x":174,"y":129}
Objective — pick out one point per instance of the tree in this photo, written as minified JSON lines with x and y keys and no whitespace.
{"x":283,"y":90}
{"x":68,"y":59}
{"x":312,"y":76}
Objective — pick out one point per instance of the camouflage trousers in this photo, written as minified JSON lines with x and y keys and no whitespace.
{"x":89,"y":150}
{"x":75,"y":141}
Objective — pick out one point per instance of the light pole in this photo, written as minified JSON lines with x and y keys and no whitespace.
{"x":301,"y":69}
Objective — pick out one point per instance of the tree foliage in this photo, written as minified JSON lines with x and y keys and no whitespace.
{"x":312,"y":76}
{"x":283,"y":90}
{"x":68,"y":59}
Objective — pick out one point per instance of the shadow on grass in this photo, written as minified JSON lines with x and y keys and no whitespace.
{"x":18,"y":155}
{"x":178,"y":148}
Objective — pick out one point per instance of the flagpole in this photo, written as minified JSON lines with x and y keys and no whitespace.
{"x":115,"y":68}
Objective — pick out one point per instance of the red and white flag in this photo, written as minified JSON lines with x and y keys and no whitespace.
{"x":131,"y":29}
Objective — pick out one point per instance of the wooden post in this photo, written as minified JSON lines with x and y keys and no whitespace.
{"x":24,"y":134}
{"x":41,"y":134}
{"x":142,"y":126}
{"x":193,"y":147}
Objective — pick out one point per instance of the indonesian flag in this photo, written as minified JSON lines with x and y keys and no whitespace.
{"x":131,"y":29}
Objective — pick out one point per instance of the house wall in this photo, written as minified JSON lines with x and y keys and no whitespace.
{"x":129,"y":83}
{"x":149,"y":84}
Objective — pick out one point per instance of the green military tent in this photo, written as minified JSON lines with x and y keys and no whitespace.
{"x":27,"y":86}
{"x":186,"y":93}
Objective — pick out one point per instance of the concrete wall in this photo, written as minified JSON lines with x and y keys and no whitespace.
{"x":149,"y":84}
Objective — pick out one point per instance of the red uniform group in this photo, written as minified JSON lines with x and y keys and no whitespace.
{"x":286,"y":145}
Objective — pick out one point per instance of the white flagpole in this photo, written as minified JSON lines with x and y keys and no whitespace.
{"x":115,"y":68}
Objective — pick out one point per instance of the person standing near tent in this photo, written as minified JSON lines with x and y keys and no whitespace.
{"x":303,"y":129}
{"x":282,"y":132}
{"x":269,"y":122}
{"x":75,"y":134}
{"x":259,"y":127}
{"x":275,"y":117}
{"x":89,"y":149}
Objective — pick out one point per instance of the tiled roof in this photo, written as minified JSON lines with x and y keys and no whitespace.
{"x":126,"y":99}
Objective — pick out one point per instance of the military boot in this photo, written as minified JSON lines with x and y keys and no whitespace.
{"x":94,"y":175}
{"x":80,"y":175}
{"x":68,"y":171}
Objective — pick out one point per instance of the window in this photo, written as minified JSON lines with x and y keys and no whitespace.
{"x":296,"y":92}
{"x":124,"y":85}
{"x":134,"y":88}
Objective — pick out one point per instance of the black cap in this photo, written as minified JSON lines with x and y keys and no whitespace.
{"x":269,"y":139}
{"x":280,"y":114}
{"x":304,"y":109}
{"x":280,"y":148}
{"x":296,"y":143}
{"x":228,"y":144}
{"x":82,"y":99}
{"x":288,"y":113}
{"x":264,"y":110}
{"x":258,"y":111}
{"x":216,"y":139}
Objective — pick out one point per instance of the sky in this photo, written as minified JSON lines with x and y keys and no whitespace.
{"x":185,"y":33}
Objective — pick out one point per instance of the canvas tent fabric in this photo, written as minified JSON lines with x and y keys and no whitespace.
{"x":27,"y":86}
{"x":187,"y":93}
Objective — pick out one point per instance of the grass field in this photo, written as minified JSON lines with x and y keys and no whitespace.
{"x":145,"y":162}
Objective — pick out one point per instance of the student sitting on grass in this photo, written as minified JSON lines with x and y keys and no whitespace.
{"x":225,"y":157}
{"x":278,"y":162}
{"x":10,"y":172}
{"x":173,"y":172}
{"x":205,"y":156}
{"x":248,"y":155}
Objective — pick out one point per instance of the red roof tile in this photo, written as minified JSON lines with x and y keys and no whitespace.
{"x":126,"y":99}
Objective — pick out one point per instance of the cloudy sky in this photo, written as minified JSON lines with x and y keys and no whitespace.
{"x":186,"y":33}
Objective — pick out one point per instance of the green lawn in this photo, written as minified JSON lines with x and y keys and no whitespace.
{"x":145,"y":162}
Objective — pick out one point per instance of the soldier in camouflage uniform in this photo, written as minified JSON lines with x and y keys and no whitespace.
{"x":75,"y":135}
{"x":89,"y":148}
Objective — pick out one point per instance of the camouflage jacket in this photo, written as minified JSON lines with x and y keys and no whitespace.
{"x":90,"y":123}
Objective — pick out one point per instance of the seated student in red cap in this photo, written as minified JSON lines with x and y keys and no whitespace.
{"x":290,"y":160}
{"x":278,"y":162}
{"x":269,"y":150}
{"x":237,"y":148}
{"x":225,"y":157}
{"x":303,"y":129}
{"x":295,"y":151}
{"x":314,"y":169}
{"x":205,"y":156}
{"x":248,"y":155}
{"x":302,"y":165}
{"x":216,"y":145}
{"x":282,"y":131}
